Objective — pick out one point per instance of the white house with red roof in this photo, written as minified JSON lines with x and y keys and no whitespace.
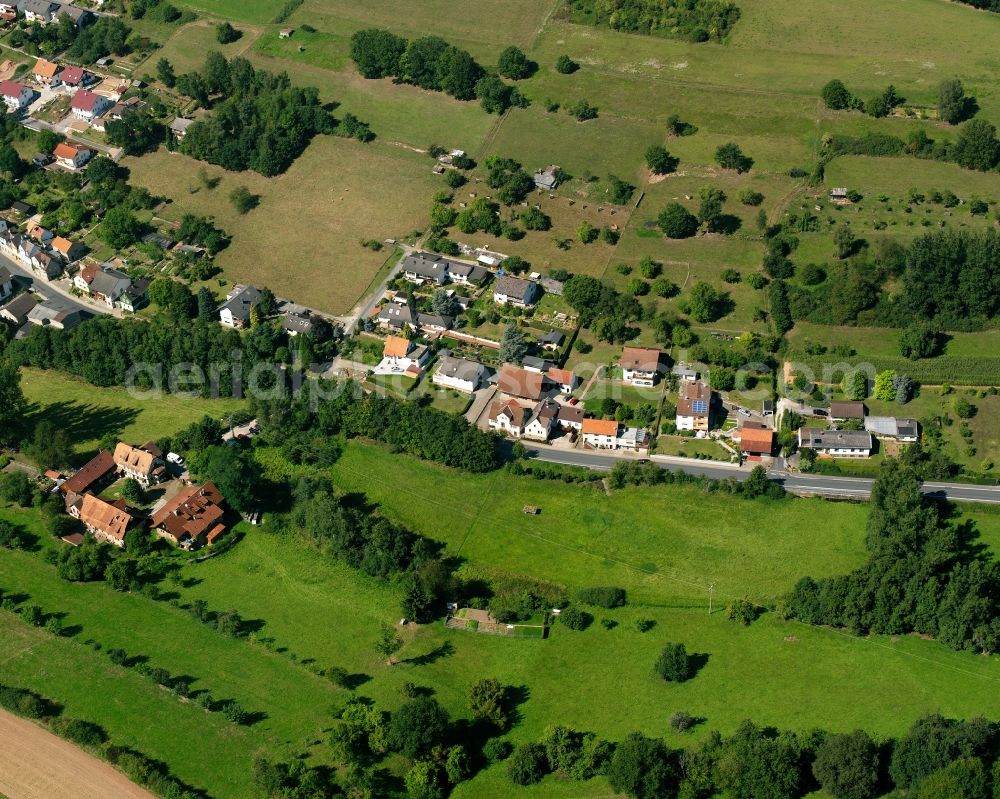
{"x":73,"y":76}
{"x":88,"y":105}
{"x":72,"y":156}
{"x":15,"y":95}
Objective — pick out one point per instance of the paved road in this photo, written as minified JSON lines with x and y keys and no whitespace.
{"x":24,"y":275}
{"x":805,"y":484}
{"x":364,"y":308}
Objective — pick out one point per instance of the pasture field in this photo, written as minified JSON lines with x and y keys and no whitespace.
{"x":304,"y":239}
{"x":88,"y":413}
{"x":187,"y":48}
{"x":254,"y":11}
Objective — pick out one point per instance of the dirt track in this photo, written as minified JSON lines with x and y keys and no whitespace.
{"x":35,"y":764}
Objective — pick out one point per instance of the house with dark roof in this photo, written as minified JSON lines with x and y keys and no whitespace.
{"x":135,"y":297}
{"x":297,"y":324}
{"x":179,"y":127}
{"x":548,"y":178}
{"x":73,"y":76}
{"x":16,"y":311}
{"x":79,"y":16}
{"x":235,"y":311}
{"x":468,"y":274}
{"x":94,"y":475}
{"x":425,"y":267}
{"x":552,"y":340}
{"x":6,"y":283}
{"x":842,"y":411}
{"x":192,"y":518}
{"x":55,"y":313}
{"x":108,"y":285}
{"x":508,"y":290}
{"x":543,"y":421}
{"x":837,"y":443}
{"x":41,"y":11}
{"x":396,"y":317}
{"x":570,"y":417}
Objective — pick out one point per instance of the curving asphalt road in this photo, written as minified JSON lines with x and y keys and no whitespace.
{"x":802,"y":484}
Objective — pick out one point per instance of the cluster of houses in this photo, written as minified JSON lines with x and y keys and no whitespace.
{"x":85,"y":104}
{"x":236,"y":310}
{"x":194,"y":516}
{"x":840,"y":442}
{"x":46,"y":253}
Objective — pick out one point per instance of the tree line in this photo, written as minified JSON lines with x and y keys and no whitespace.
{"x":922,"y":574}
{"x":694,"y":20}
{"x":258,"y":119}
{"x":432,"y":63}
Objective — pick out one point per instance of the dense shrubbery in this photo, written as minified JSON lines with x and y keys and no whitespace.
{"x":259,"y":120}
{"x":606,"y":596}
{"x":697,"y":20}
{"x":919,"y":576}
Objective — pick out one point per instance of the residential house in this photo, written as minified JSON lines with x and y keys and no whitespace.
{"x":564,"y":378}
{"x":194,"y":517}
{"x":108,"y":521}
{"x":683,"y":371}
{"x":600,"y":433}
{"x":425,"y":267}
{"x":54,"y":313}
{"x":15,"y":95}
{"x":80,"y":16}
{"x":904,"y":430}
{"x":641,"y":366}
{"x":508,"y":290}
{"x":570,"y":417}
{"x":73,"y":77}
{"x":22,"y":208}
{"x":88,"y":105}
{"x":135,"y":297}
{"x":838,"y":196}
{"x":397,"y":317}
{"x":40,"y":11}
{"x":235,"y":311}
{"x":109,"y":284}
{"x":40,"y":234}
{"x":842,"y":411}
{"x":16,"y":311}
{"x":547,"y":178}
{"x":144,"y":463}
{"x":6,"y":283}
{"x":47,"y":265}
{"x":694,"y":406}
{"x":94,"y":475}
{"x":552,"y":286}
{"x":297,"y":324}
{"x":432,"y":323}
{"x":460,"y":374}
{"x":542,"y":422}
{"x":755,"y":439}
{"x":179,"y":127}
{"x":72,"y":156}
{"x":467,"y":274}
{"x":521,"y":383}
{"x":401,"y":355}
{"x":635,"y":439}
{"x":67,"y":248}
{"x":41,"y":159}
{"x":46,"y":72}
{"x":837,"y":443}
{"x":551,"y":341}
{"x":533,"y":364}
{"x":508,"y":417}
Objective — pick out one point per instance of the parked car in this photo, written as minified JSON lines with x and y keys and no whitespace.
{"x":820,"y":412}
{"x":174,"y":458}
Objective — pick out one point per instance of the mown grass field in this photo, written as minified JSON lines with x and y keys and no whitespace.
{"x":88,"y":413}
{"x":186,"y":49}
{"x":304,"y":239}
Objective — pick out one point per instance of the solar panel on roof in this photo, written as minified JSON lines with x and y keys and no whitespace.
{"x":699,"y":406}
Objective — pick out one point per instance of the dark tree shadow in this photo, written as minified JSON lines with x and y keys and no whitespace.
{"x":355,"y":681}
{"x":82,"y":421}
{"x":444,"y":650}
{"x":697,"y":661}
{"x":728,"y":224}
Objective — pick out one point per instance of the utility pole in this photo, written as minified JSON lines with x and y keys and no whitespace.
{"x":711,"y":590}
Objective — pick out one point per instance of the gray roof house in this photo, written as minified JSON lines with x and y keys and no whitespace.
{"x":891,"y":427}
{"x":395,"y":316}
{"x":459,"y":374}
{"x":468,"y":273}
{"x":235,"y":311}
{"x":16,"y":311}
{"x":179,"y":127}
{"x":435,"y":322}
{"x":421,"y":267}
{"x":41,"y":10}
{"x":55,"y":313}
{"x":515,"y":291}
{"x":547,"y":178}
{"x":837,"y":443}
{"x":109,"y":284}
{"x":552,"y":340}
{"x":297,"y":324}
{"x":135,"y":296}
{"x":6,"y":283}
{"x":80,"y":16}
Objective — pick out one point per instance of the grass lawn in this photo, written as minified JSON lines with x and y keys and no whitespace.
{"x":187,"y":47}
{"x":89,"y":413}
{"x":258,"y":11}
{"x":691,"y":447}
{"x":303,"y":240}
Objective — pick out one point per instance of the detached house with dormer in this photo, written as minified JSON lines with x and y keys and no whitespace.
{"x":144,"y":464}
